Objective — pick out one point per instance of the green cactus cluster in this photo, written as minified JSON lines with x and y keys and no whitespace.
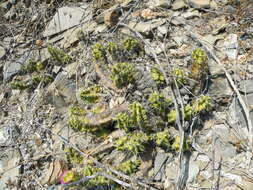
{"x":123,"y":74}
{"x":159,"y":103}
{"x":124,"y":122}
{"x":131,"y":45}
{"x":176,"y":144}
{"x":89,"y":170}
{"x":180,"y":76}
{"x":77,"y":119}
{"x":188,"y":112}
{"x":135,"y":117}
{"x":73,"y":156}
{"x":37,"y":78}
{"x":134,"y":142}
{"x":19,"y":85}
{"x":199,"y":65}
{"x":99,"y":52}
{"x":91,"y":94}
{"x":163,"y":139}
{"x":138,"y":114}
{"x":129,"y":167}
{"x":58,"y":55}
{"x":113,"y":48}
{"x":157,"y":76}
{"x":32,"y":66}
{"x":202,"y":105}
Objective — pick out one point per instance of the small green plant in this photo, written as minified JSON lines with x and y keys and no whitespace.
{"x":138,"y":114}
{"x":74,"y":156}
{"x":180,"y":76}
{"x":31,"y":66}
{"x":124,"y":122}
{"x":172,"y":116}
{"x":202,"y":104}
{"x":188,"y":112}
{"x":78,"y":124}
{"x":19,"y":85}
{"x":157,"y":76}
{"x":134,"y":142}
{"x":77,"y":111}
{"x":129,"y":167}
{"x":77,"y":120}
{"x":163,"y":139}
{"x":199,"y":65}
{"x":91,"y":94}
{"x":89,"y":170}
{"x":123,"y":74}
{"x":176,"y":144}
{"x":69,"y":176}
{"x":58,"y":55}
{"x":159,"y":103}
{"x":99,"y":52}
{"x":113,"y":48}
{"x":131,"y":45}
{"x":36,"y":79}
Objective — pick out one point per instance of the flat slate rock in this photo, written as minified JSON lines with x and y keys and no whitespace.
{"x":246,"y":86}
{"x":198,"y":4}
{"x":65,"y":18}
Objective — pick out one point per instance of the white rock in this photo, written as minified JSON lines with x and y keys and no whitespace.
{"x":9,"y":159}
{"x":178,"y":4}
{"x":159,"y":3}
{"x":199,"y":3}
{"x":65,"y":18}
{"x":2,"y":52}
{"x":231,"y":46}
{"x":193,"y":171}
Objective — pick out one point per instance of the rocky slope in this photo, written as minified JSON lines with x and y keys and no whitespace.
{"x":126,"y":94}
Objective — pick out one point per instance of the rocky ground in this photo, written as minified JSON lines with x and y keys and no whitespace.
{"x":126,"y":94}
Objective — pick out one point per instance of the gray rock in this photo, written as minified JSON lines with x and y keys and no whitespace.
{"x":225,"y":149}
{"x":2,"y":52}
{"x":71,"y":69}
{"x":67,"y":17}
{"x":159,"y":3}
{"x":191,"y":14}
{"x":246,"y":86}
{"x":220,"y":88}
{"x":10,"y":69}
{"x":230,"y":46}
{"x":159,"y":165}
{"x":11,"y":14}
{"x":178,"y":21}
{"x":237,"y":116}
{"x":215,"y":69}
{"x":162,"y":30}
{"x":63,"y":90}
{"x":198,"y":4}
{"x":192,"y":171}
{"x":250,"y":67}
{"x":178,"y":4}
{"x":9,"y":159}
{"x":6,"y":5}
{"x":145,"y":27}
{"x":8,"y":134}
